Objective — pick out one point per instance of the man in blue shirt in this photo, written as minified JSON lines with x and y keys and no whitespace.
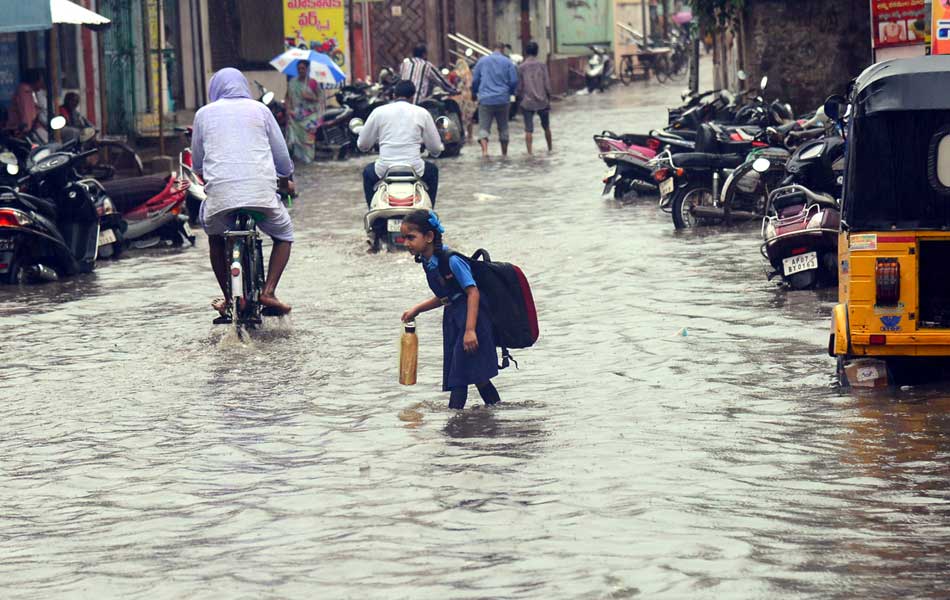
{"x":495,"y":80}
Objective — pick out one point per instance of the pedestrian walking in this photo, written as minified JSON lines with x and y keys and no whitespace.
{"x":495,"y":81}
{"x":466,"y":102}
{"x":468,"y":345}
{"x":306,"y":103}
{"x":534,"y":91}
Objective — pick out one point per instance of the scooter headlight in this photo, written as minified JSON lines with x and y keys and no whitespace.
{"x":13,"y":169}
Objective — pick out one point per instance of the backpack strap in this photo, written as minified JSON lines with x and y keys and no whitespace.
{"x":445,"y":270}
{"x":507,"y":359}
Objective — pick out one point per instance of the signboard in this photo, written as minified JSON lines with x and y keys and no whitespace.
{"x":317,"y":25}
{"x":941,"y":27}
{"x":898,"y":23}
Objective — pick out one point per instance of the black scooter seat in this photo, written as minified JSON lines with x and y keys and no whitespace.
{"x":703,"y":160}
{"x":126,"y":194}
{"x":45,"y":207}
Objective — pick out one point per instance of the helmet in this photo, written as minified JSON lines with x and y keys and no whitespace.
{"x":449,"y":130}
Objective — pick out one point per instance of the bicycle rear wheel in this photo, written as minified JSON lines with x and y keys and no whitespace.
{"x":626,"y":70}
{"x":661,"y":68}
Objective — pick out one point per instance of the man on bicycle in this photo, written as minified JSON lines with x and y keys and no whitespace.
{"x":238,"y":149}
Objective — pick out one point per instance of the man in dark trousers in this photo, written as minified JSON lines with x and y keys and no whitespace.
{"x":534,"y":91}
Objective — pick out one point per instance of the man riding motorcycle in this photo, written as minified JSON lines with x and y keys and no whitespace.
{"x":238,"y":150}
{"x":401,"y":129}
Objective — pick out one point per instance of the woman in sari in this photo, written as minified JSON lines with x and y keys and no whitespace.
{"x":463,"y":82}
{"x":306,"y":103}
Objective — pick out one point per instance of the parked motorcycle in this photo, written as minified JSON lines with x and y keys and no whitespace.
{"x":45,"y":239}
{"x":628,"y":164}
{"x":600,"y":69}
{"x":153,"y":207}
{"x":446,"y":111}
{"x":196,"y":185}
{"x":800,"y":230}
{"x":399,"y":192}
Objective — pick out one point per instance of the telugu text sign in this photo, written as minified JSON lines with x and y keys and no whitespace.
{"x":317,"y":25}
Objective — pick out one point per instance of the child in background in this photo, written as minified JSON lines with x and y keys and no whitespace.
{"x":468,"y":345}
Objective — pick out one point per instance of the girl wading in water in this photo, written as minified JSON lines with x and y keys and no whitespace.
{"x":468,"y":345}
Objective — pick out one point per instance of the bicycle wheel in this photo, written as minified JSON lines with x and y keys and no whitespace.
{"x":680,"y":66}
{"x":661,"y":68}
{"x":626,"y":70}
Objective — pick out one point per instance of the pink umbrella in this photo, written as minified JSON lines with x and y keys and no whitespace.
{"x":683,"y":17}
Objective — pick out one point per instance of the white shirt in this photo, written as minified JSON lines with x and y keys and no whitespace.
{"x":400,"y":128}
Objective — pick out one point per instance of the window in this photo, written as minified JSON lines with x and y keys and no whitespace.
{"x":939,"y":160}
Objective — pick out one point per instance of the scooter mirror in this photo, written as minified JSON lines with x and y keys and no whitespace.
{"x":267,"y":98}
{"x":57,"y":123}
{"x":833,"y":106}
{"x":87,"y":134}
{"x":764,"y":82}
{"x":742,"y":75}
{"x":761,"y":165}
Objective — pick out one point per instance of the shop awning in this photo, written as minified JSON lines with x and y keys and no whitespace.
{"x":25,"y":16}
{"x":64,"y":11}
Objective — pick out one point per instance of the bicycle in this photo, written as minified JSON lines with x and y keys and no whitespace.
{"x":246,"y":273}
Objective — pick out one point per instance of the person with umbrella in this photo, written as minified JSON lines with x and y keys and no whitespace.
{"x":306,"y":103}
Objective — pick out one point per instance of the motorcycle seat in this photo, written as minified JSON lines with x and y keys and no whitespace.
{"x":705,"y":160}
{"x":126,"y":194}
{"x":335,"y":114}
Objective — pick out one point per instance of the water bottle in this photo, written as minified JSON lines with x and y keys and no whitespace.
{"x":408,"y":355}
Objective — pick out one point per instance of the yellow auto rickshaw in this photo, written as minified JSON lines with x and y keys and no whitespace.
{"x":894,"y":243}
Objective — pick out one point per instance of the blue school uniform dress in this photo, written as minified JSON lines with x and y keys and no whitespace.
{"x":459,"y":368}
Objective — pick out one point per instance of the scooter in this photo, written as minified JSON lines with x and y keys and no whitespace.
{"x":398,"y":193}
{"x":801,"y":227}
{"x":153,"y":208}
{"x":44,"y":240}
{"x":447,"y":111}
{"x":600,"y":69}
{"x":628,"y":165}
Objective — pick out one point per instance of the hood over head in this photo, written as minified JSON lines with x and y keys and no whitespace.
{"x":228,"y":83}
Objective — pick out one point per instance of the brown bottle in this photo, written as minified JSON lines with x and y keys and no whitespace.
{"x":408,"y":355}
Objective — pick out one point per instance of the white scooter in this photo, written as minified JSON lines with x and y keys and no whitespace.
{"x":398,"y":193}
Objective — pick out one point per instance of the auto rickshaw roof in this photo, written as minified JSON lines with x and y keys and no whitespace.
{"x":921,"y":83}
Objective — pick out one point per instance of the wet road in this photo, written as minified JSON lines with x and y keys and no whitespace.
{"x":147,"y":454}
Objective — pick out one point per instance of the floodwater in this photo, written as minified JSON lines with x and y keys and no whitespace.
{"x":675,"y":433}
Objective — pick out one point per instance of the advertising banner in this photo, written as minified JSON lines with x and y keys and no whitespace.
{"x":941,"y":27}
{"x":317,"y":25}
{"x":898,"y":23}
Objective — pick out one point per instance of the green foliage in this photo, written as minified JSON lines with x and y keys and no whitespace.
{"x":717,"y":15}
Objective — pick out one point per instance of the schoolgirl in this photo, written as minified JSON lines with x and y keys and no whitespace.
{"x":468,"y":345}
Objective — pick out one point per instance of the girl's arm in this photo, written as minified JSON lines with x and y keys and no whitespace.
{"x":470,"y":340}
{"x":430,"y":304}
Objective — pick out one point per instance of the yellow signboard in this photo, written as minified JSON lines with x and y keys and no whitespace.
{"x":317,"y":25}
{"x":941,"y":27}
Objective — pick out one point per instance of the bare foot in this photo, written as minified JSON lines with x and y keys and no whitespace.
{"x":271,"y":301}
{"x":221,"y":305}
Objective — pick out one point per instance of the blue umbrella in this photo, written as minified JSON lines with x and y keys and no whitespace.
{"x":322,"y":68}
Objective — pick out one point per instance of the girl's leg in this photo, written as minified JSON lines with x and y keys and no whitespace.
{"x":488,"y":393}
{"x":458,"y":397}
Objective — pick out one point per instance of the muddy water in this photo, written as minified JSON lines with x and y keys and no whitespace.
{"x":674,"y":434}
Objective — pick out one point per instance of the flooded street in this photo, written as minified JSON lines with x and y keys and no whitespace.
{"x":676,"y":432}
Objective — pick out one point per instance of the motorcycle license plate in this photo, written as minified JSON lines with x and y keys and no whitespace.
{"x":666,"y":187}
{"x":106,"y":237}
{"x":7,"y":244}
{"x":394,"y":225}
{"x":802,"y":262}
{"x":610,"y":172}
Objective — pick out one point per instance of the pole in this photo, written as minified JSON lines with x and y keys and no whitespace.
{"x":161,"y":73}
{"x":694,"y":65}
{"x":52,"y":90}
{"x":643,"y":18}
{"x":367,"y":48}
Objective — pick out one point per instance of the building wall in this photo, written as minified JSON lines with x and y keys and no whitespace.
{"x":808,"y":48}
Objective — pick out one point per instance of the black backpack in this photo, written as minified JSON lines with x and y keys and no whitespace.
{"x":507,"y":295}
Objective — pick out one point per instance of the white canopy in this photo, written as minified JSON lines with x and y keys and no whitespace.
{"x":64,"y":11}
